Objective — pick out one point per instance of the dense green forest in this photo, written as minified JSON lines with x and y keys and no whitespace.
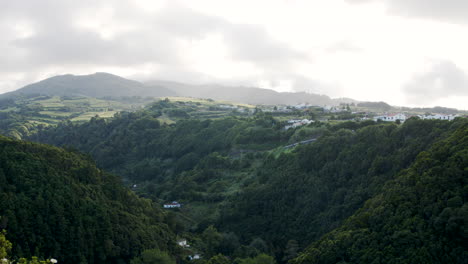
{"x":244,"y":194}
{"x":308,"y":192}
{"x":139,"y":147}
{"x":419,"y":217}
{"x":56,"y":203}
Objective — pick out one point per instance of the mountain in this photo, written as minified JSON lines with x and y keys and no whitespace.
{"x":250,"y":95}
{"x":108,"y":85}
{"x":420,"y":217}
{"x":93,"y":85}
{"x":56,"y":203}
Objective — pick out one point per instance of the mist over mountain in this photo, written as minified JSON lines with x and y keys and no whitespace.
{"x":106,"y":85}
{"x":109,"y":85}
{"x":251,"y":95}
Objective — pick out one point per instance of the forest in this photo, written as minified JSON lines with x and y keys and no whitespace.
{"x":357,"y":192}
{"x":56,"y":203}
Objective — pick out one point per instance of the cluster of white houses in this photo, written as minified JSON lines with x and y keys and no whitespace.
{"x":403,"y":117}
{"x":174,"y":204}
{"x":293,"y":123}
{"x":438,"y":116}
{"x":391,"y":117}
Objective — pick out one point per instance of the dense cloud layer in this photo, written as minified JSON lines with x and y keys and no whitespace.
{"x":453,"y":11}
{"x":444,"y":79}
{"x":328,"y":46}
{"x":116,"y":33}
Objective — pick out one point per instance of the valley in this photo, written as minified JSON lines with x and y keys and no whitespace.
{"x":245,"y":183}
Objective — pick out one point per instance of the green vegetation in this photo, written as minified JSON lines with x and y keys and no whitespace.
{"x":139,"y":147}
{"x":5,"y":245}
{"x":56,"y":203}
{"x":23,"y":116}
{"x":234,"y":173}
{"x":306,"y":193}
{"x":420,"y":217}
{"x":153,"y":256}
{"x":239,"y":176}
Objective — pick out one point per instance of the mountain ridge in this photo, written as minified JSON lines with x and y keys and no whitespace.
{"x":102,"y":84}
{"x":99,"y":84}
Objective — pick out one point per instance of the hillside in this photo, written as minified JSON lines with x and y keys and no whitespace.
{"x":249,"y":95}
{"x":420,"y":217}
{"x":94,"y":85}
{"x":24,"y":115}
{"x":308,"y":192}
{"x":235,"y":173}
{"x":56,"y":203}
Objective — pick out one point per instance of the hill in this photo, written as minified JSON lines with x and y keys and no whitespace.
{"x":234,"y":172}
{"x":56,"y":203}
{"x":249,"y":95}
{"x":420,"y":217}
{"x":94,"y":85}
{"x":310,"y":191}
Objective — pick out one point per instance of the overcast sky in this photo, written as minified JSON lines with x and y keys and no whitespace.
{"x":404,"y":52}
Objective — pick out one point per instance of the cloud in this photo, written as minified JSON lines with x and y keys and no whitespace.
{"x":90,"y":34}
{"x":253,"y":43}
{"x":343,"y":46}
{"x":444,"y":79}
{"x":451,"y":11}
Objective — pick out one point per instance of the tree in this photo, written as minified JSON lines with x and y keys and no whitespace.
{"x":264,"y":259}
{"x":229,"y":243}
{"x":153,"y":256}
{"x":212,"y":240}
{"x":5,"y":245}
{"x":259,"y":259}
{"x":218,"y":259}
{"x":291,"y":251}
{"x":259,"y":244}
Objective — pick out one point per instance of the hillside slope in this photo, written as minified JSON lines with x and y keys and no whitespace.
{"x":420,"y":217}
{"x":55,"y":203}
{"x":249,"y":95}
{"x":307,"y":193}
{"x":93,"y":85}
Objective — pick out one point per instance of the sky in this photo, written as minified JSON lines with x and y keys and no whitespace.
{"x":403,"y":52}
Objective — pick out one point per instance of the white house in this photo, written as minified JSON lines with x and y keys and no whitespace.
{"x":297,"y":123}
{"x":195,"y":256}
{"x":182,"y":243}
{"x":391,"y":117}
{"x":439,"y":117}
{"x":174,"y":204}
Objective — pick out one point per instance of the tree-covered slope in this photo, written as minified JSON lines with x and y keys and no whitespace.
{"x":139,"y":147}
{"x":55,"y":203}
{"x":309,"y":192}
{"x":420,"y":217}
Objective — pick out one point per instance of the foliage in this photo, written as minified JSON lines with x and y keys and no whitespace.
{"x":420,"y":217}
{"x":5,"y":245}
{"x":139,"y":147}
{"x":223,"y":173}
{"x":259,"y":259}
{"x":153,"y":256}
{"x":57,"y":203}
{"x":306,"y":193}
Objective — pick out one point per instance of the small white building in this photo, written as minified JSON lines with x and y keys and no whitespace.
{"x":439,"y":117}
{"x":174,"y":204}
{"x":182,"y":243}
{"x":297,"y":123}
{"x":194,"y":256}
{"x":391,"y":117}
